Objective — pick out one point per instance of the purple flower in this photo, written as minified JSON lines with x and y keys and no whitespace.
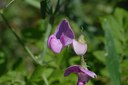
{"x":62,"y":37}
{"x":83,"y":74}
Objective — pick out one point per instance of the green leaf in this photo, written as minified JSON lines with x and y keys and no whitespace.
{"x":37,"y":74}
{"x":122,"y":16}
{"x":74,"y":60}
{"x":34,"y":3}
{"x":32,"y":33}
{"x":13,"y":77}
{"x":100,"y":55}
{"x":2,"y":57}
{"x":104,"y":72}
{"x":112,"y":59}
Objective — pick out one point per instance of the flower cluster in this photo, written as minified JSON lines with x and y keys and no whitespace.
{"x":63,"y":37}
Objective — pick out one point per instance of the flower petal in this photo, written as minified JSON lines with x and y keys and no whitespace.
{"x":79,"y":48}
{"x":65,"y":28}
{"x":54,"y":44}
{"x":89,"y":73}
{"x":80,"y":83}
{"x":83,"y":74}
{"x":83,"y":77}
{"x":65,"y":40}
{"x":72,"y":69}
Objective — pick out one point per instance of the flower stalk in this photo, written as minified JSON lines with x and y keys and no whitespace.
{"x":83,"y":63}
{"x":19,"y":39}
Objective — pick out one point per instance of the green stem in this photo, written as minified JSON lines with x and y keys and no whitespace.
{"x":18,"y":38}
{"x":46,"y":39}
{"x":83,"y":63}
{"x":45,"y":79}
{"x":10,"y":3}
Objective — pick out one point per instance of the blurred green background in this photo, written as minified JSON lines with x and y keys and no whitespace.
{"x":103,"y":23}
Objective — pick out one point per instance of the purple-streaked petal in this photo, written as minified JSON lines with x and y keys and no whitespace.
{"x":72,"y":69}
{"x":79,"y":48}
{"x":83,"y":74}
{"x":83,"y":77}
{"x":65,"y":40}
{"x":64,"y":28}
{"x":89,"y":73}
{"x":54,"y":44}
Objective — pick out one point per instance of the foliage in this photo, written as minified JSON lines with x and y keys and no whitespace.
{"x":103,"y":23}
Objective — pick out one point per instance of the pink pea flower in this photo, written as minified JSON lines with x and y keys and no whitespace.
{"x":64,"y":36}
{"x":83,"y":74}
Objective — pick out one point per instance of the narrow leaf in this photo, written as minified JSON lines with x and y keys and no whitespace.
{"x":112,"y":60}
{"x":34,"y":3}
